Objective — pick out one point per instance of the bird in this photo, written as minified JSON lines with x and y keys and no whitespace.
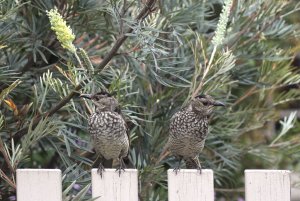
{"x":108,"y":130}
{"x":188,"y":130}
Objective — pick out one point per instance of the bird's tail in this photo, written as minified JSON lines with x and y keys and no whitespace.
{"x":106,"y":163}
{"x":128,"y":162}
{"x":192,"y":163}
{"x":99,"y":159}
{"x":165,"y":152}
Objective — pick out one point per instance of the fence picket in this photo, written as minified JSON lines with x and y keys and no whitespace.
{"x":111,"y":187}
{"x":267,"y":185}
{"x":39,"y":184}
{"x":46,"y":185}
{"x":190,"y":185}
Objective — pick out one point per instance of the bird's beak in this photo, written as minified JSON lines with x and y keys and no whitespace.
{"x":218,"y":103}
{"x":88,"y":96}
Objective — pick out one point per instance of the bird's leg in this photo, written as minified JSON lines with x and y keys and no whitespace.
{"x":177,"y":168}
{"x":100,"y":167}
{"x":121,"y":167}
{"x":198,"y":164}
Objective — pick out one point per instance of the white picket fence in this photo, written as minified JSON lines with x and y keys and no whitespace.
{"x":187,"y":185}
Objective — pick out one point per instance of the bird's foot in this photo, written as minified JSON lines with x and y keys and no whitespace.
{"x":100,"y":170}
{"x":176,"y":169}
{"x":119,"y":169}
{"x":121,"y":166}
{"x":199,"y":169}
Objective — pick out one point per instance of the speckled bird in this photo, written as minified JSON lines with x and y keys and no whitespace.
{"x":188,"y":130}
{"x":108,"y":129}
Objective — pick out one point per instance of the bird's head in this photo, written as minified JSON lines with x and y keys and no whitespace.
{"x":103,"y":101}
{"x":204,"y":104}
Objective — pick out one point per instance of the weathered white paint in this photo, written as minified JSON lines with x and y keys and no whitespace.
{"x":190,"y":185}
{"x":295,"y":190}
{"x":46,"y":185}
{"x":267,"y":185}
{"x":111,"y":187}
{"x":39,"y":185}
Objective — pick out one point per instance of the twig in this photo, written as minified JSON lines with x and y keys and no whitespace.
{"x":258,"y":33}
{"x":7,"y":179}
{"x":122,"y":14}
{"x":205,"y":72}
{"x":143,"y":13}
{"x":2,"y":150}
{"x":77,"y":58}
{"x":134,"y":49}
{"x":247,"y":94}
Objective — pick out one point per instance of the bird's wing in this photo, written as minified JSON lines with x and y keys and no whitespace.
{"x":127,"y":159}
{"x":119,"y":111}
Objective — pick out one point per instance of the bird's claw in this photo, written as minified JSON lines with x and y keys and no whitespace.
{"x":121,"y":167}
{"x":120,"y":170}
{"x":199,"y":169}
{"x":176,"y":170}
{"x":100,"y":170}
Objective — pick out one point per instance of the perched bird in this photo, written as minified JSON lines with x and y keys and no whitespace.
{"x":108,"y":129}
{"x":188,"y":130}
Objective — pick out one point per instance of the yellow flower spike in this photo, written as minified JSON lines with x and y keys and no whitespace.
{"x":63,"y":32}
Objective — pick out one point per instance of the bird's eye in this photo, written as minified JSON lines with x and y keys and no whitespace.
{"x":205,"y":103}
